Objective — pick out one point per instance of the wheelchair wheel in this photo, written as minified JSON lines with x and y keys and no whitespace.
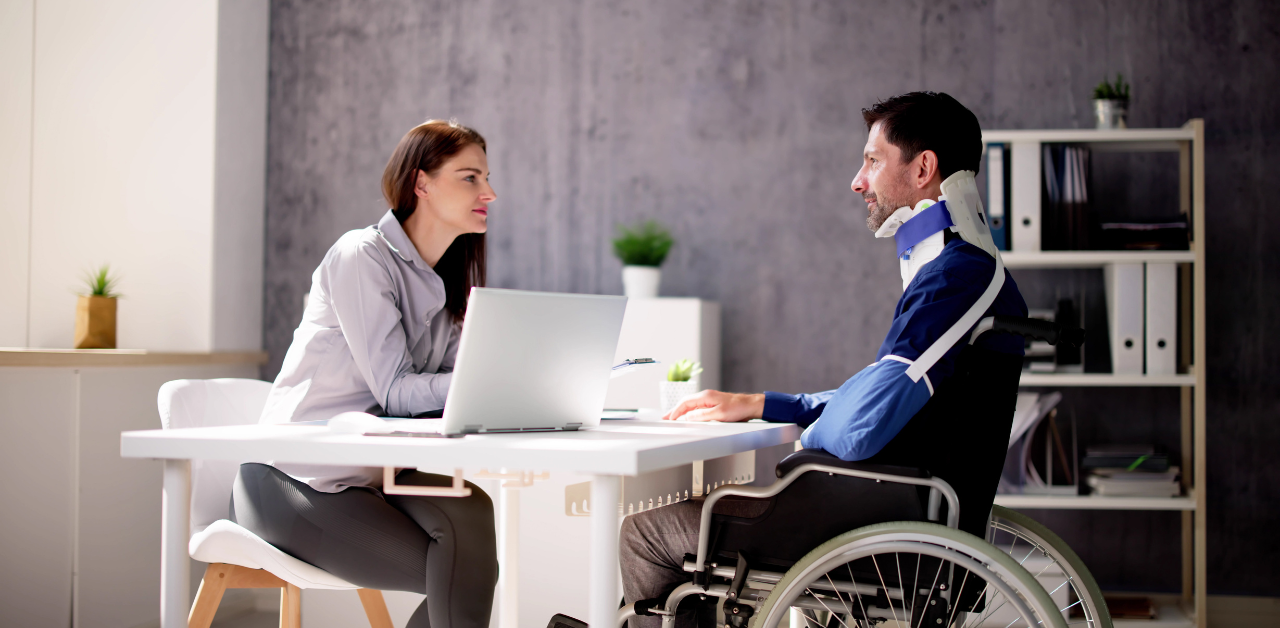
{"x":915,"y":574}
{"x":1051,"y":561}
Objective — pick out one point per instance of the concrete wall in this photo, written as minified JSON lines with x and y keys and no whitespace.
{"x":737,"y":124}
{"x":134,"y":134}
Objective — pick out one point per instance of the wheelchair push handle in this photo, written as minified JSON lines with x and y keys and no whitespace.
{"x":1050,"y":332}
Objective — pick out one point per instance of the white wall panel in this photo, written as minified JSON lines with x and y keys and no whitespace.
{"x":240,"y":174}
{"x":17,"y":29}
{"x":123,"y":166}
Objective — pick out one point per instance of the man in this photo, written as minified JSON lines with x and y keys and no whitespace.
{"x":922,"y":147}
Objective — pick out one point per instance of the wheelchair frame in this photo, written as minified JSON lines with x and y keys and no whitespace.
{"x":925,"y":543}
{"x":947,"y":542}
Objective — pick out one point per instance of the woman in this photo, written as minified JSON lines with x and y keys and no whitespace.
{"x":379,"y":334}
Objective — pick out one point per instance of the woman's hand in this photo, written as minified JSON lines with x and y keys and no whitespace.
{"x":713,"y":405}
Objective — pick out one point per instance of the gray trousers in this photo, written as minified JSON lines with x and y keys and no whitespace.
{"x":651,"y":550}
{"x":442,"y":547}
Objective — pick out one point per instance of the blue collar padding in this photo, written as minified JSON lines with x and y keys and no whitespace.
{"x":929,"y":221}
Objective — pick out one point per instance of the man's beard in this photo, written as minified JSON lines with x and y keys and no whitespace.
{"x":878,"y":215}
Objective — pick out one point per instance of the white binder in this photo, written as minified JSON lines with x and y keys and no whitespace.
{"x":1125,"y":316}
{"x":1162,"y":319}
{"x":1024,"y":188}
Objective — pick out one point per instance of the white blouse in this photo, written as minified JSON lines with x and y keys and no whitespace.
{"x":375,"y":337}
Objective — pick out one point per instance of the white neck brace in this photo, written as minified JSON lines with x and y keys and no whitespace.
{"x":960,"y":191}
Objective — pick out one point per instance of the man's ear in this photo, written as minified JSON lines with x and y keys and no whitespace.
{"x":925,"y":168}
{"x":420,"y":184}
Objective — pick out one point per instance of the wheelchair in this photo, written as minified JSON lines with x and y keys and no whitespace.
{"x":886,"y":540}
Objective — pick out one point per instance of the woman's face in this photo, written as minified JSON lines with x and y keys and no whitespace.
{"x":458,"y":196}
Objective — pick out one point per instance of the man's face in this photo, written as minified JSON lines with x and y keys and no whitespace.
{"x":884,"y":180}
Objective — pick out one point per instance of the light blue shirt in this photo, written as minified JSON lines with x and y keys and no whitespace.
{"x":375,"y":337}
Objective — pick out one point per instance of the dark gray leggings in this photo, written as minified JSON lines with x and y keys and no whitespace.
{"x":443,"y":547}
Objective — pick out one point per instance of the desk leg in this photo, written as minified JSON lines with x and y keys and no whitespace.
{"x":606,"y":493}
{"x":175,"y":533}
{"x":508,"y":557}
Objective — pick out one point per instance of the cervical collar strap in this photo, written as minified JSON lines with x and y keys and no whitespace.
{"x":929,"y":221}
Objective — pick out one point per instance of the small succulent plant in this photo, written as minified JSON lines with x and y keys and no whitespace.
{"x":1119,"y":90}
{"x":101,"y":283}
{"x":683,"y":370}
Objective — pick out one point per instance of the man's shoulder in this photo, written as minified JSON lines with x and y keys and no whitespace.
{"x":959,"y":262}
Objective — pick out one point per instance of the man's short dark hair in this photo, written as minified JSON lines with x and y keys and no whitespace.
{"x":920,"y":121}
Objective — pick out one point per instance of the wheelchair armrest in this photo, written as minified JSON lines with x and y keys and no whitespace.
{"x":820,"y":456}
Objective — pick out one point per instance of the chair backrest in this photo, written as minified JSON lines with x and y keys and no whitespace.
{"x":962,"y":433}
{"x":187,"y":403}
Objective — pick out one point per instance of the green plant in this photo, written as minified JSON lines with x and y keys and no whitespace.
{"x":683,"y":371}
{"x":101,"y":283}
{"x":646,"y":244}
{"x":1119,"y":90}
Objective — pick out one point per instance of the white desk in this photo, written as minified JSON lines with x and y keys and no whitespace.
{"x":615,"y":449}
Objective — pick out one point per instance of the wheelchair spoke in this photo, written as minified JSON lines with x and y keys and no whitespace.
{"x":886,"y":591}
{"x":902,"y":585}
{"x":932,"y":588}
{"x":986,"y":587}
{"x":824,"y":605}
{"x":955,"y":603}
{"x":915,"y":588}
{"x":847,"y":610}
{"x":856,"y":594}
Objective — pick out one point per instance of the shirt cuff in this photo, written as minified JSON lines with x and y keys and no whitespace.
{"x":781,"y":407}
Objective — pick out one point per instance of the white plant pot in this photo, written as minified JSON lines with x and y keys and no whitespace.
{"x":641,"y":282}
{"x":670,"y":393}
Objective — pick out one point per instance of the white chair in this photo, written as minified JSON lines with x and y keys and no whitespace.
{"x":239,"y":559}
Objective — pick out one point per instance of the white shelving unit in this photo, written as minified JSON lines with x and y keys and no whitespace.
{"x":1024,"y":208}
{"x":1105,"y":379}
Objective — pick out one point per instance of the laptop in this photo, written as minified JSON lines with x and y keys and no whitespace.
{"x":532,"y":361}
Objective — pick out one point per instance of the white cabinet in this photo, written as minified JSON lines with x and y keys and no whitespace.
{"x":79,"y":525}
{"x":667,"y":330}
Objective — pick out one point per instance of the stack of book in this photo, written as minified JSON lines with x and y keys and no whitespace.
{"x":1130,"y":471}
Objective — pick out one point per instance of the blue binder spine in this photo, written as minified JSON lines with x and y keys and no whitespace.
{"x":998,"y":194}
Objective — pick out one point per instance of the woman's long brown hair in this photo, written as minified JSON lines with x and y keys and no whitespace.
{"x":426,"y":147}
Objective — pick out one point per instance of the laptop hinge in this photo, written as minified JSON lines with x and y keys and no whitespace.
{"x":471,"y":429}
{"x":572,"y":427}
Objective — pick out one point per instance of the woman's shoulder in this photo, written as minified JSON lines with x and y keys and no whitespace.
{"x":366,"y":243}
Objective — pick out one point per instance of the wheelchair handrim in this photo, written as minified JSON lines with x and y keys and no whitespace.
{"x":1035,"y":533}
{"x":997,"y":568}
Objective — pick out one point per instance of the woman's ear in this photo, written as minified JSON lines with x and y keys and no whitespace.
{"x":420,"y":184}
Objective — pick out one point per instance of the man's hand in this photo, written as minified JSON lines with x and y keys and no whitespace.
{"x":713,"y":405}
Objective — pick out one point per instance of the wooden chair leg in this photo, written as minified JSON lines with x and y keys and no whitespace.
{"x":290,"y":606}
{"x":375,"y":608}
{"x":212,"y":587}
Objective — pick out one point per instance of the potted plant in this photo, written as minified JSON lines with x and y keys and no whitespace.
{"x":681,"y":382}
{"x":1111,"y":103}
{"x":642,"y":250}
{"x":96,"y":311}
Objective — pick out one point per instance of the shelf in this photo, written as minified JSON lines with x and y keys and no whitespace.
{"x":1090,"y":259}
{"x":1104,"y":379}
{"x":1085,"y":136}
{"x":1168,"y":615}
{"x":1092,"y":502}
{"x":12,"y":356}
